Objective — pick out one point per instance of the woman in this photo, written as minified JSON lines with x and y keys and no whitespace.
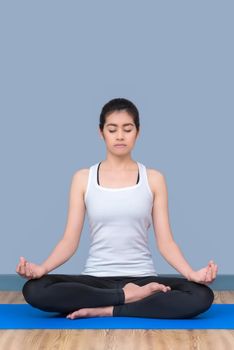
{"x":121,"y":196}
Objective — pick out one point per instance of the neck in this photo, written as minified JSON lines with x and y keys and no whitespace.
{"x":118,"y":164}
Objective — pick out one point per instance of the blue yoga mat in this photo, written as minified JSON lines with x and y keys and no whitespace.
{"x":24,"y":316}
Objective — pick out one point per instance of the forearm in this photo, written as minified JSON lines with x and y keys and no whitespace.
{"x":61,"y":253}
{"x":172,"y":253}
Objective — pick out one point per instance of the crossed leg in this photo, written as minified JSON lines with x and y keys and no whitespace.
{"x":132,"y":292}
{"x":87,"y":296}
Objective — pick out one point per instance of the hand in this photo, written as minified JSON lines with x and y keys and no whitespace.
{"x":29,"y":270}
{"x":205,"y":275}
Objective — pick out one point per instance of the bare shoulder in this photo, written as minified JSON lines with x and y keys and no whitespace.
{"x":156,"y":179}
{"x":81,"y":176}
{"x":81,"y":173}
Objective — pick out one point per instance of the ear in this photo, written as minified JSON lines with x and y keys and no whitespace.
{"x":100,"y":133}
{"x":138,"y":133}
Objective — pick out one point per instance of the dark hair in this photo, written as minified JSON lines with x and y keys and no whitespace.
{"x":118,"y":104}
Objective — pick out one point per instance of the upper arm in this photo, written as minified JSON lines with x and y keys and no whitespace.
{"x":76,"y":208}
{"x":160,"y":212}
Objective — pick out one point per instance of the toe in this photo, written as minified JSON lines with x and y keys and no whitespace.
{"x":73,"y":315}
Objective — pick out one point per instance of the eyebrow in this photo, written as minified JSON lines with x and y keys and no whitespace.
{"x":117,"y":124}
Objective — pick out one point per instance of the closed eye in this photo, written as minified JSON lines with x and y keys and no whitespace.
{"x":124,"y":130}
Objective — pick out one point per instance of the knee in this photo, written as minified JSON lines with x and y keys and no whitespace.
{"x":205,"y":297}
{"x":33,"y":290}
{"x":29,"y":291}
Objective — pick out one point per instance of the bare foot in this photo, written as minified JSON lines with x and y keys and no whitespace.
{"x":133,"y":292}
{"x":92,"y":312}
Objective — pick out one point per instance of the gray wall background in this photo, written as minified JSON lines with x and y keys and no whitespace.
{"x":61,"y":61}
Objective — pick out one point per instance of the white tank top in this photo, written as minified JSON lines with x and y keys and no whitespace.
{"x":119,"y":219}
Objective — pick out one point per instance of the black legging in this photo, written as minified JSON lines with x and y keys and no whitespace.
{"x":67,"y":293}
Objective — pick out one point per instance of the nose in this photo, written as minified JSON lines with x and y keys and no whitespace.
{"x":119,"y":135}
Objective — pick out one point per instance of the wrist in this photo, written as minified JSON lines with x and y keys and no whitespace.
{"x":189,"y":275}
{"x":45,"y":268}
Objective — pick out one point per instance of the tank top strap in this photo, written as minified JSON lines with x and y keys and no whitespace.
{"x":91,"y":179}
{"x":145,"y":181}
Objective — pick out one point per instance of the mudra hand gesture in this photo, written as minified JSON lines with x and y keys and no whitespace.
{"x":29,"y":270}
{"x":205,"y":275}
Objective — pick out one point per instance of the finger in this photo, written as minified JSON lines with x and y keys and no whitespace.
{"x":215,"y":271}
{"x":23,"y":260}
{"x":17,"y":268}
{"x":208,"y":274}
{"x":34,"y":274}
{"x":210,"y":269}
{"x":22,"y":265}
{"x":28,"y":270}
{"x":21,"y":268}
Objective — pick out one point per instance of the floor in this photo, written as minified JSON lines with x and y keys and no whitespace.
{"x":114,"y":339}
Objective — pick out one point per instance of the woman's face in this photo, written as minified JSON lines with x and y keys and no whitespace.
{"x":119,"y":128}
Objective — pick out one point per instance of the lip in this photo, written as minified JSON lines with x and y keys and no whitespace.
{"x":119,"y":145}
